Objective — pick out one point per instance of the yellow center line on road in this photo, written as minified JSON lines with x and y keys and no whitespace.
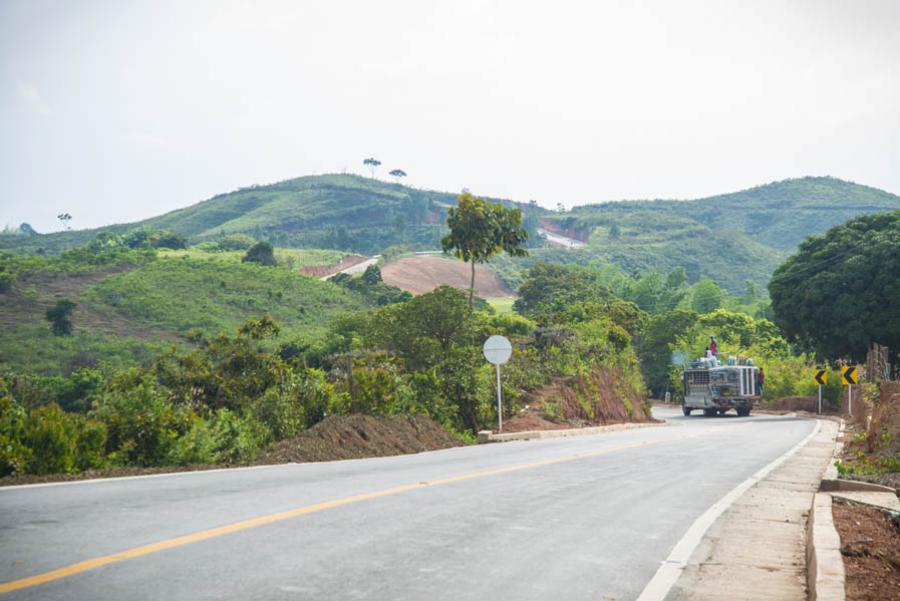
{"x":97,"y":562}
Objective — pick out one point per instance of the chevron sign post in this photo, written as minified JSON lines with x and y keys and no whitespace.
{"x":849,"y":377}
{"x":821,"y":378}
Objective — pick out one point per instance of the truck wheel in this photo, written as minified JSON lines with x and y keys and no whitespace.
{"x":710,"y":412}
{"x":686,"y":410}
{"x":743,"y":412}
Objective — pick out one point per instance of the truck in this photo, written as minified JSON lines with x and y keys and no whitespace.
{"x":715,"y":390}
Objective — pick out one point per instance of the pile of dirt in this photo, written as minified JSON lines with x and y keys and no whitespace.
{"x":424,"y":273}
{"x":359,"y":436}
{"x":598,"y":399}
{"x":870,"y":544}
{"x":321,"y":271}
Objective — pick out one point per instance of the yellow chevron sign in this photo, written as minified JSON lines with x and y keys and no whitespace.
{"x":849,"y":375}
{"x":821,"y":377}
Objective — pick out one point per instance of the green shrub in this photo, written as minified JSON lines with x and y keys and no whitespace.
{"x":90,"y":448}
{"x":58,"y":316}
{"x":14,"y":455}
{"x":142,"y":422}
{"x":260,"y":253}
{"x":53,"y":440}
{"x":6,"y":281}
{"x":281,"y":411}
{"x":222,"y":437}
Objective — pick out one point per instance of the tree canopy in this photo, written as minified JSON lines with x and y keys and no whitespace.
{"x":261,"y":253}
{"x":480,"y":229}
{"x":841,"y":291}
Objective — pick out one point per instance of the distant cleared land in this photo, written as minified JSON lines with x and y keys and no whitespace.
{"x":422,"y":274}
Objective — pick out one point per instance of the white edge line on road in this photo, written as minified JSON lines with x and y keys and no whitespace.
{"x":673,"y":566}
{"x":215,"y":470}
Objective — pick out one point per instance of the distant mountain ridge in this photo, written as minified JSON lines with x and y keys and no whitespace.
{"x":780,"y":214}
{"x":730,"y":237}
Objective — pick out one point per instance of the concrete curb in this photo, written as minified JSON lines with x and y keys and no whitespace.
{"x":824,"y":562}
{"x":486,"y":436}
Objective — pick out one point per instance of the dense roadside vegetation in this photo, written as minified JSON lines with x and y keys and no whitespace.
{"x":212,"y":353}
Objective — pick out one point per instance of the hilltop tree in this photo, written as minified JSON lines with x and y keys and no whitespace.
{"x":372,"y":164}
{"x":58,"y":316}
{"x":841,"y":291}
{"x":480,"y":229}
{"x":65,"y":218}
{"x":397,"y":174}
{"x":261,"y":253}
{"x":615,"y":231}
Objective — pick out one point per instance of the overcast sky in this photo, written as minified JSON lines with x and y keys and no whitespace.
{"x":119,"y":110}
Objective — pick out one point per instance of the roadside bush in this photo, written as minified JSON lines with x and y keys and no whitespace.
{"x":14,"y":455}
{"x":222,"y":437}
{"x":52,"y":439}
{"x":319,"y":397}
{"x":281,"y":411}
{"x":62,"y":442}
{"x":142,"y":423}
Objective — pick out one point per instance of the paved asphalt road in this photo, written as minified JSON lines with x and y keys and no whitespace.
{"x":578,"y":518}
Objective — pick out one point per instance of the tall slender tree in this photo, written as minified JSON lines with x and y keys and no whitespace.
{"x":480,"y":229}
{"x":372,"y":164}
{"x":65,"y":218}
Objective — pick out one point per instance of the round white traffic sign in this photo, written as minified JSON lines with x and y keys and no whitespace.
{"x":497,"y":349}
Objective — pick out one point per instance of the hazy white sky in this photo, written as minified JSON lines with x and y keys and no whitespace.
{"x":119,"y":110}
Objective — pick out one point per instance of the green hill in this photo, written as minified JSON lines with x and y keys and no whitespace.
{"x":126,"y":312}
{"x":345,"y":212}
{"x":730,"y":238}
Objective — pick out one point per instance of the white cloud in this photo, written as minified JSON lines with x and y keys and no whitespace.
{"x":31,"y":97}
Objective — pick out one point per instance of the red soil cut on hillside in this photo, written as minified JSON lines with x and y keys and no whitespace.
{"x":568,"y":232}
{"x":597,"y":399}
{"x":321,"y":271}
{"x":424,"y":273}
{"x":358,"y":436}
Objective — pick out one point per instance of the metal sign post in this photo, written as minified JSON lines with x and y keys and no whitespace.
{"x":849,"y":377}
{"x":497,"y":350}
{"x":821,"y":378}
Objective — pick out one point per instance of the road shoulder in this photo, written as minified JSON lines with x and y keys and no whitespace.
{"x":756,"y":549}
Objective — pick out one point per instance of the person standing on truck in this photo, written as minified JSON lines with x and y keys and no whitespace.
{"x":713,"y":347}
{"x":760,"y":380}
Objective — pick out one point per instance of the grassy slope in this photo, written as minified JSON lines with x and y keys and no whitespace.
{"x":128,"y":313}
{"x":187,"y":294}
